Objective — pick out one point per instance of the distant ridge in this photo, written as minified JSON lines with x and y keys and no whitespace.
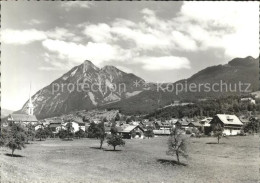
{"x":134,"y":100}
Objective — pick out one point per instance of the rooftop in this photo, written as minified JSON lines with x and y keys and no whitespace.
{"x":23,"y":118}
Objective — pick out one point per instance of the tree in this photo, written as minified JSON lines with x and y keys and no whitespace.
{"x":217,"y":131}
{"x":48,"y":131}
{"x":128,"y":120}
{"x":3,"y":136}
{"x":115,"y":140}
{"x":30,"y":132}
{"x":2,"y":141}
{"x":113,"y":129}
{"x":85,"y":119}
{"x":41,"y":134}
{"x":117,"y":118}
{"x":91,"y":130}
{"x":69,"y":130}
{"x":177,"y":144}
{"x":253,"y":126}
{"x":100,"y":133}
{"x":133,"y":134}
{"x":62,"y":134}
{"x":105,"y":119}
{"x":149,"y":133}
{"x":15,"y":137}
{"x":80,"y":133}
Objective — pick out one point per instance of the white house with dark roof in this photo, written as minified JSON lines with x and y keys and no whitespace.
{"x":231,"y":123}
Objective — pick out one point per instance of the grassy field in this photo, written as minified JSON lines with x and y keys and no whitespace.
{"x":142,"y":161}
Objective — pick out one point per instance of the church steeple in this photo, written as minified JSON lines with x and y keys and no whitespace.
{"x":30,"y":104}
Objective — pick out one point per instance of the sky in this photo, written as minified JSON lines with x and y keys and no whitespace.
{"x":157,"y":41}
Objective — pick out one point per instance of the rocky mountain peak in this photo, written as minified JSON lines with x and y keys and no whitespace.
{"x":87,"y":64}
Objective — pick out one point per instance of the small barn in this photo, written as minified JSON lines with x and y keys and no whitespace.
{"x":230,"y":123}
{"x":132,"y":131}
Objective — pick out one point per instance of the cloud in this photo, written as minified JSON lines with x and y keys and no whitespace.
{"x":54,"y":62}
{"x":234,"y":29}
{"x":197,"y":27}
{"x":99,"y":33}
{"x":60,"y":34}
{"x":163,"y":63}
{"x":76,"y":4}
{"x":96,"y":52}
{"x":143,"y":40}
{"x":125,"y":69}
{"x":184,"y":42}
{"x":9,"y":36}
{"x":34,"y":22}
{"x":22,"y":37}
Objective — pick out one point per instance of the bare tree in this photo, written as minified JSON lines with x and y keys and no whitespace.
{"x":177,"y":144}
{"x":218,"y":131}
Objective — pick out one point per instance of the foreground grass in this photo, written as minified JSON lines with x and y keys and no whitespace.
{"x":234,"y":160}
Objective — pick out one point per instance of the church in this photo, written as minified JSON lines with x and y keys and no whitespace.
{"x":25,"y":118}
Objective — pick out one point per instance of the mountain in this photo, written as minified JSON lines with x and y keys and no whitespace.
{"x":84,"y":87}
{"x":5,"y":112}
{"x":238,"y":70}
{"x":87,"y":87}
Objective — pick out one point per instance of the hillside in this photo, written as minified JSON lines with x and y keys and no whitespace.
{"x":244,"y":70}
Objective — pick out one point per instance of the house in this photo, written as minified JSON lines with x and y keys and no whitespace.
{"x":135,"y":123}
{"x":206,"y":128}
{"x":55,"y":125}
{"x":159,"y":125}
{"x":96,"y":120}
{"x":183,"y":123}
{"x":195,"y":124}
{"x":248,"y":100}
{"x":244,"y":119}
{"x":145,"y":120}
{"x":118,"y":128}
{"x":230,"y":123}
{"x":22,"y":118}
{"x":147,"y":124}
{"x":38,"y":126}
{"x":131,"y":130}
{"x":162,"y":132}
{"x":76,"y":126}
{"x":80,"y":124}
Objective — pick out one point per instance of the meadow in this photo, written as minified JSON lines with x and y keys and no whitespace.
{"x":233,"y":160}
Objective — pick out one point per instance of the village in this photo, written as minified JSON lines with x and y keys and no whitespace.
{"x":137,"y":126}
